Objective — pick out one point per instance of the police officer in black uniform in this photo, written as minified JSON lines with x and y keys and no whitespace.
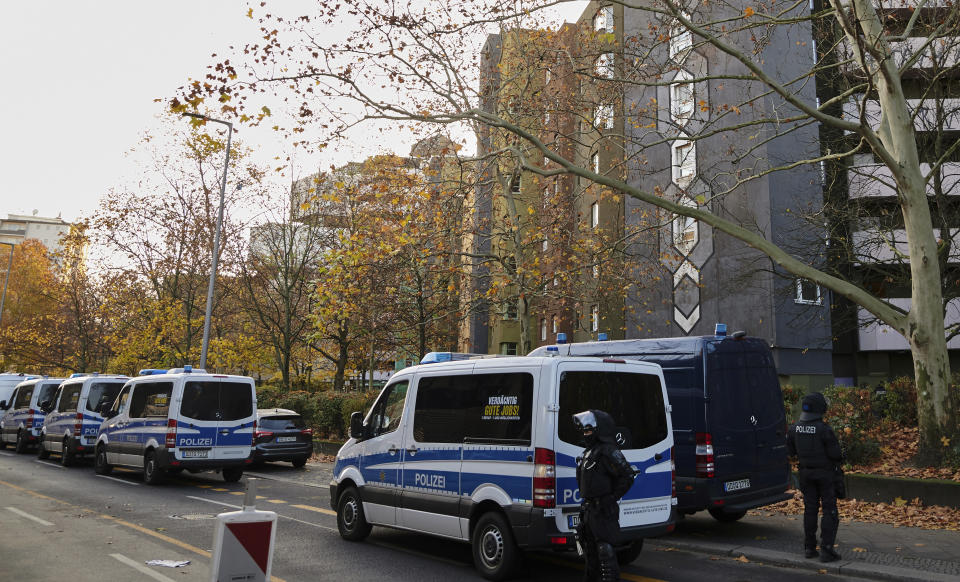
{"x":604,"y":476}
{"x":817,"y":449}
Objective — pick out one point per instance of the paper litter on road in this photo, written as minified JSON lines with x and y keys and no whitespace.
{"x":168,"y":563}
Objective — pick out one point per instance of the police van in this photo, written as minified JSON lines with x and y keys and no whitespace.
{"x":166,"y":421}
{"x":484,"y":451}
{"x":21,"y":417}
{"x":73,"y":415}
{"x":729,"y":424}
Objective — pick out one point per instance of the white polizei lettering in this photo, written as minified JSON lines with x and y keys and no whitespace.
{"x":571,"y":495}
{"x":198,"y":442}
{"x":806,"y":429}
{"x":433,"y":481}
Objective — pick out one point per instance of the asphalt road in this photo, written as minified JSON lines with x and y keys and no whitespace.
{"x":68,"y":523}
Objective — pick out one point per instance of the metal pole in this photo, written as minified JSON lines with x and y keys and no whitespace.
{"x":216,"y":249}
{"x":6,"y":281}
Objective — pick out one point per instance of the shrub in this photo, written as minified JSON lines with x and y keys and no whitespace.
{"x":851,"y":415}
{"x":901,"y":401}
{"x":791,"y":399}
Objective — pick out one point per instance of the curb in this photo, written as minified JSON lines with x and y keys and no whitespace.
{"x":776,"y":558}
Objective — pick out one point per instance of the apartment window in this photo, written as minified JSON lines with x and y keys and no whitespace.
{"x":543,"y":329}
{"x":595,"y":318}
{"x":603,"y":19}
{"x":808,"y":292}
{"x":544,"y":245}
{"x":604,"y":66}
{"x":510,"y":310}
{"x":596,"y":271}
{"x":595,"y":162}
{"x":555,"y":326}
{"x":594,"y":214}
{"x":684,"y":231}
{"x":508,"y":348}
{"x":546,"y":118}
{"x":603,"y":118}
{"x":684,"y":160}
{"x":680,"y":40}
{"x":681,"y":97}
{"x":515,"y":185}
{"x":547,"y":76}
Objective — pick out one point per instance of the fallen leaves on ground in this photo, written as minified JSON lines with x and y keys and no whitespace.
{"x":900,"y":445}
{"x":909,"y":514}
{"x":743,"y":559}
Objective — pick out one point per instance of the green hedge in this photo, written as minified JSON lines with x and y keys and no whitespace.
{"x":325,"y":411}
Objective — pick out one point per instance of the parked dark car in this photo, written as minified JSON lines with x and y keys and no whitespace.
{"x":282,"y":436}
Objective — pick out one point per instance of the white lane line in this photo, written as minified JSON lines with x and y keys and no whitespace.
{"x":28,"y":516}
{"x":6,"y":454}
{"x":117,"y":480}
{"x":140,"y":567}
{"x":50,"y":464}
{"x":310,"y":523}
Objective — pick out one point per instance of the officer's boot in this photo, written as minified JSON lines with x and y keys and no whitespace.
{"x":827,"y":554}
{"x":811,"y":552}
{"x":609,"y":569}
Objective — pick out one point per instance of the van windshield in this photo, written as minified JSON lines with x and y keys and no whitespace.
{"x":635,"y":401}
{"x":102,"y":393}
{"x":212,"y":400}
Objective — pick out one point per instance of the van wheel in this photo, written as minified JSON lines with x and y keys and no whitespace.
{"x":725,"y":516}
{"x":152,"y":473}
{"x":100,"y":464}
{"x":495,"y":553}
{"x":630,"y":553}
{"x":299,"y":463}
{"x":232,"y":474}
{"x":3,"y":443}
{"x":351,"y":522}
{"x":42,"y":452}
{"x":67,"y":456}
{"x":21,"y":446}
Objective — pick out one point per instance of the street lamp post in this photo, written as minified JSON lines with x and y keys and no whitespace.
{"x":216,"y":239}
{"x":6,"y":280}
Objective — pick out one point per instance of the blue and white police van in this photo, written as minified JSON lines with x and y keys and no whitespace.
{"x":166,"y":421}
{"x":73,"y":416}
{"x":484,"y":451}
{"x":21,"y":417}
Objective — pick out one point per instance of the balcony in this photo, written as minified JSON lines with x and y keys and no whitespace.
{"x":889,"y":246}
{"x":924,"y":111}
{"x":878,"y":337}
{"x":876,"y":180}
{"x":941,"y":54}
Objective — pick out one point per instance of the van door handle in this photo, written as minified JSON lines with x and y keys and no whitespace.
{"x":393,"y":450}
{"x":658,"y":457}
{"x":224,"y":431}
{"x":412,"y":450}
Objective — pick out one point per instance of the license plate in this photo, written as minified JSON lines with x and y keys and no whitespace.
{"x":736,"y":485}
{"x":573,"y":520}
{"x":289,"y":439}
{"x":194,"y":453}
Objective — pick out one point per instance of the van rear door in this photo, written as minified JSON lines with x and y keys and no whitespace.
{"x":217,"y":416}
{"x":745,"y":416}
{"x":634,"y":395}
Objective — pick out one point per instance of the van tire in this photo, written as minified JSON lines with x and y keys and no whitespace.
{"x":100,"y":464}
{"x":3,"y":443}
{"x":67,"y":456}
{"x":495,"y":553}
{"x":725,"y":516}
{"x":351,"y":522}
{"x":42,"y":452}
{"x":299,"y":463}
{"x":630,"y":553}
{"x":21,"y":446}
{"x":152,"y":473}
{"x":232,"y":474}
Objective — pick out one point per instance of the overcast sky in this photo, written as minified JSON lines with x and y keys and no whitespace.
{"x":80,"y":84}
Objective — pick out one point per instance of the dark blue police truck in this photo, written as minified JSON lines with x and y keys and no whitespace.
{"x":728,"y":419}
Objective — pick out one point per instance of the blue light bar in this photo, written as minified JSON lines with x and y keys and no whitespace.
{"x":561,"y":338}
{"x":77,"y":374}
{"x":720,"y":329}
{"x":437,"y":357}
{"x":151,"y":371}
{"x":601,"y":337}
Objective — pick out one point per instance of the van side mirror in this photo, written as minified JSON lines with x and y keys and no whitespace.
{"x":46,"y":406}
{"x":356,"y":425}
{"x":3,"y":404}
{"x":106,"y":411}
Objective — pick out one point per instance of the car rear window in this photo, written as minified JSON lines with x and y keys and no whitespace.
{"x":635,"y":401}
{"x":281,"y":422}
{"x":213,"y":400}
{"x":101,"y":393}
{"x":480,"y":408}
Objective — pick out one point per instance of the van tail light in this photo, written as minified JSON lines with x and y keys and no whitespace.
{"x":307,"y":431}
{"x":78,"y":425}
{"x":705,"y":461}
{"x":673,"y":475}
{"x":256,"y":434}
{"x":29,"y":422}
{"x":544,"y":478}
{"x":171,"y":440}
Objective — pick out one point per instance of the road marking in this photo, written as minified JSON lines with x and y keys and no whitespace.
{"x":140,"y":568}
{"x":275,"y":501}
{"x":50,"y":464}
{"x":117,"y":480}
{"x":6,"y":454}
{"x":317,"y":509}
{"x":220,"y":489}
{"x":28,"y":516}
{"x":237,"y":493}
{"x":204,"y":486}
{"x":579,"y":566}
{"x":214,"y":502}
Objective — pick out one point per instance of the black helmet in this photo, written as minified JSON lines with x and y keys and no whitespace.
{"x":814,"y":406}
{"x":585,"y":421}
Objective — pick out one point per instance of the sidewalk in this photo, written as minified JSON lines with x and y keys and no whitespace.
{"x":873,"y":551}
